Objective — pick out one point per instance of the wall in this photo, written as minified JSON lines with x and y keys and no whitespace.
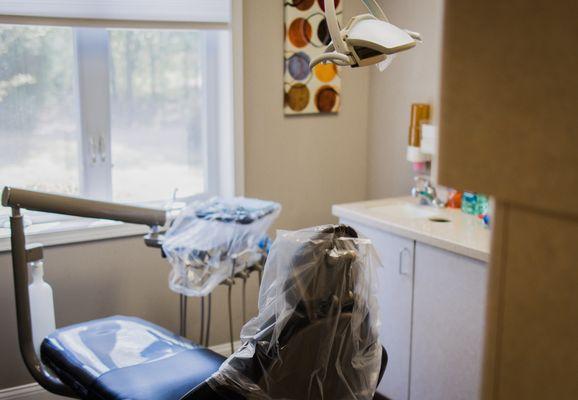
{"x":413,"y":77}
{"x":305,"y":163}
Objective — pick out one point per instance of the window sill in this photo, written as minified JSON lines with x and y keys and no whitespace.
{"x":77,"y":230}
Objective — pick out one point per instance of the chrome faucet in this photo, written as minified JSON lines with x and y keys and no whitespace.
{"x":426,"y":193}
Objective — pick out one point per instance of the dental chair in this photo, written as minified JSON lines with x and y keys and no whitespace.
{"x":121,"y":358}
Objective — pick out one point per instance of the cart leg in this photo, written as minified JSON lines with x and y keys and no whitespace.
{"x":202,"y":336}
{"x":244,"y":299}
{"x":183,"y":315}
{"x":208,"y":334}
{"x":231,"y":319}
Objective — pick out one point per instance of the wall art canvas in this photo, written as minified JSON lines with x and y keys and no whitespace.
{"x":306,"y":36}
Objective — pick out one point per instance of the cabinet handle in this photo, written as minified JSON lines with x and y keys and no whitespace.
{"x":401,"y":253}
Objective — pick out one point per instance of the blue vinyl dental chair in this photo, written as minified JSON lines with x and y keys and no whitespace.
{"x":121,"y":358}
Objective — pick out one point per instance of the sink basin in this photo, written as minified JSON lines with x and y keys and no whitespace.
{"x":406,"y":211}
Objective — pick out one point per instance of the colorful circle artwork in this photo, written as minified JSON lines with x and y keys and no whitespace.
{"x":298,"y":65}
{"x":302,"y":5}
{"x":323,"y":33}
{"x":322,"y":4}
{"x":300,"y":32}
{"x":326,"y":99}
{"x":306,"y":37}
{"x":298,"y":97}
{"x":325,"y":72}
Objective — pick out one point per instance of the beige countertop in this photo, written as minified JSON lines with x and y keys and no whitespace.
{"x":462,"y":234}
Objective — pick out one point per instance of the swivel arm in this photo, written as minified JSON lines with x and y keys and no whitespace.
{"x":78,"y":207}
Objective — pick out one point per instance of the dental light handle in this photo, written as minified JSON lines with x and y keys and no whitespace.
{"x":41,"y":305}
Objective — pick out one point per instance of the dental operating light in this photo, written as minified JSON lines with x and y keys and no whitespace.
{"x":367,"y":39}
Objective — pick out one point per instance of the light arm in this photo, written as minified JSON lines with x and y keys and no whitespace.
{"x":375,"y":9}
{"x":333,"y":25}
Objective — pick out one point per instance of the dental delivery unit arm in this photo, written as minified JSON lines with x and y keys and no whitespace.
{"x":23,"y":254}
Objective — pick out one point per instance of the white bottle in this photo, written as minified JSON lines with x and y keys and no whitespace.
{"x":41,"y":305}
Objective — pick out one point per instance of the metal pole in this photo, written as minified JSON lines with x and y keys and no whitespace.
{"x":231,"y":319}
{"x":244,"y":297}
{"x":23,"y":319}
{"x":208,"y":335}
{"x":183,"y":315}
{"x":201,"y":339}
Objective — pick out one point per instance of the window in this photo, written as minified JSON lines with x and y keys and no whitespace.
{"x":125,"y":113}
{"x":39,"y":130}
{"x":158,"y":142}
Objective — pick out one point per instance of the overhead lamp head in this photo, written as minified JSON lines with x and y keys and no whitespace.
{"x":367,"y":39}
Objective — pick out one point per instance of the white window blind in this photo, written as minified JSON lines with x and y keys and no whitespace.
{"x":183,"y":13}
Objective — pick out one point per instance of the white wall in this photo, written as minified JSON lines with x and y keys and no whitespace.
{"x":307,"y":163}
{"x":413,"y":77}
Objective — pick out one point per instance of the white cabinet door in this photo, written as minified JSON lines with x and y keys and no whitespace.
{"x":448,"y":325}
{"x":395,"y":303}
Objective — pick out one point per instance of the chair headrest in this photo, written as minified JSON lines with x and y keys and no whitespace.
{"x":321,"y":271}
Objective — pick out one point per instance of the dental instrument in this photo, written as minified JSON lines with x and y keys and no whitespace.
{"x":367,"y":39}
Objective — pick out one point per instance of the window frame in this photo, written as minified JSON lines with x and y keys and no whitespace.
{"x":224,"y":133}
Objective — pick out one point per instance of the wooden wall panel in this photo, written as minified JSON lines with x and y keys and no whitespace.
{"x":531,"y":342}
{"x":509,"y":107}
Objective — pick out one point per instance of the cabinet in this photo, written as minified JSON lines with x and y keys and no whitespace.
{"x":447,"y":325}
{"x":432,"y":311}
{"x":395,"y":303}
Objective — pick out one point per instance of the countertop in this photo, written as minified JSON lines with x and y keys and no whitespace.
{"x":463,"y":234}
